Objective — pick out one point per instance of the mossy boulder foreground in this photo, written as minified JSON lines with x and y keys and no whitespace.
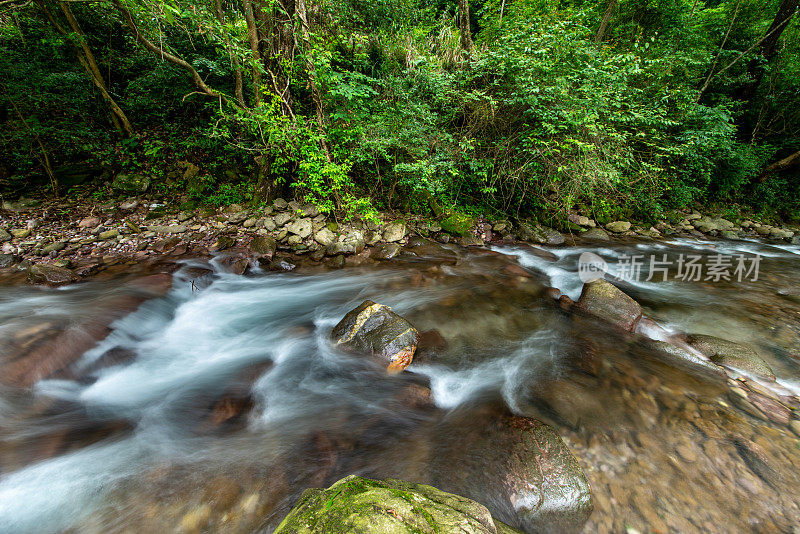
{"x":361,"y":505}
{"x":375,"y":329}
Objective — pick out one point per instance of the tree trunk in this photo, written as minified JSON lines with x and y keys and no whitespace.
{"x":87,"y":60}
{"x":255,"y":54}
{"x":127,"y":17}
{"x":769,"y":46}
{"x":464,"y":26}
{"x":785,"y":163}
{"x":601,"y":31}
{"x":300,"y":8}
{"x":234,"y":60}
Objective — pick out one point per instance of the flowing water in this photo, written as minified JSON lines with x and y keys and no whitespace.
{"x":211,"y":404}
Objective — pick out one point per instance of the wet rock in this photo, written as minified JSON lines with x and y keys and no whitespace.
{"x":386,"y":251}
{"x":376,"y":329}
{"x":279,"y":264}
{"x":771,"y":408}
{"x":618,"y":227}
{"x":235,"y":264}
{"x":757,"y":460}
{"x":689,"y":361}
{"x":263,"y":246}
{"x":336,"y":262}
{"x":51,"y":275}
{"x":606,"y":301}
{"x":394,"y":231}
{"x":171,"y":229}
{"x":470,"y":241}
{"x":301,"y":228}
{"x":356,"y":504}
{"x":524,"y":470}
{"x":280,"y":204}
{"x":309,"y":210}
{"x":223,"y":242}
{"x":732,"y":355}
{"x":596,"y":233}
{"x":130,"y":183}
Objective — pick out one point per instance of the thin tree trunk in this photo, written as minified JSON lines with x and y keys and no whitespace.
{"x":601,"y":31}
{"x":737,"y":59}
{"x":252,"y":35}
{"x":163,"y":54}
{"x":87,"y":60}
{"x":463,"y":25}
{"x":769,"y":46}
{"x":719,"y":52}
{"x":300,"y":9}
{"x":234,"y":60}
{"x":502,"y":8}
{"x":785,"y":163}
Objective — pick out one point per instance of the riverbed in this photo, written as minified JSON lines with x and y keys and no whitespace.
{"x":212,"y":400}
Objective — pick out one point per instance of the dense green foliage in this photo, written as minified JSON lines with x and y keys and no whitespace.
{"x":376,"y":105}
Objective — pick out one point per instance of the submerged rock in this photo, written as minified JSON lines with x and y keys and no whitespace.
{"x":361,"y":505}
{"x":520,"y":466}
{"x":374,"y":328}
{"x":732,"y":355}
{"x":689,"y":361}
{"x":606,"y":301}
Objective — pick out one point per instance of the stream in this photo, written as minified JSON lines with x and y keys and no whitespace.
{"x":212,"y":400}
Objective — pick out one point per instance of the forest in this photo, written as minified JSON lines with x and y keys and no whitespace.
{"x":615,"y":108}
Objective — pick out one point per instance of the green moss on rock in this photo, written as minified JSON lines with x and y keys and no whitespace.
{"x":458,"y":224}
{"x":361,"y":505}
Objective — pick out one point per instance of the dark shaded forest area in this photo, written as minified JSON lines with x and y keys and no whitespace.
{"x":628,"y":108}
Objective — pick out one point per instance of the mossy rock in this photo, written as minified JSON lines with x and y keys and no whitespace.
{"x":458,"y":224}
{"x":361,"y":505}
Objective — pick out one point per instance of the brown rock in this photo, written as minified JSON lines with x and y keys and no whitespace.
{"x":375,"y":329}
{"x":606,"y":301}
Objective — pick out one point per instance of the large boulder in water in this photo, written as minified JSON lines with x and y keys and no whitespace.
{"x":518,"y":466}
{"x":375,"y":329}
{"x":606,"y":301}
{"x":361,"y":505}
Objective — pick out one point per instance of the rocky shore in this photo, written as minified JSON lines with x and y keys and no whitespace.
{"x":61,"y":242}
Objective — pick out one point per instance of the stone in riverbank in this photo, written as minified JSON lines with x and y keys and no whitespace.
{"x":596,"y":233}
{"x":376,"y":329}
{"x":42,"y":273}
{"x":618,"y":227}
{"x":606,"y":301}
{"x":362,"y":505}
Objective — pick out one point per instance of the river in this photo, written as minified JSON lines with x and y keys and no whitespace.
{"x":214,"y":400}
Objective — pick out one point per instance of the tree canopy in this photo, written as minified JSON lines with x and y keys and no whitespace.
{"x":618,"y":108}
